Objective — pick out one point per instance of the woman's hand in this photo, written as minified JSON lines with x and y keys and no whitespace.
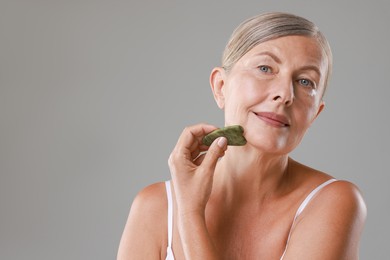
{"x":192,"y":168}
{"x":192,"y":173}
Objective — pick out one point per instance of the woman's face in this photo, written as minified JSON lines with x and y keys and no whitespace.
{"x":274,"y":91}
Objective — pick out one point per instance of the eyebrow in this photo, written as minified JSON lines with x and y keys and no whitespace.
{"x":277,"y":60}
{"x":312,"y":67}
{"x":267,"y":53}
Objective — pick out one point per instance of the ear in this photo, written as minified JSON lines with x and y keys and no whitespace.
{"x":320,"y":108}
{"x":217,"y":82}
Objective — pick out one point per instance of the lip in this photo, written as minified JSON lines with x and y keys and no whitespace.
{"x":273,"y":119}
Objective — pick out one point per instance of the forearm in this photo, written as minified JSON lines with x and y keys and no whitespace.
{"x":192,"y":176}
{"x":195,"y":238}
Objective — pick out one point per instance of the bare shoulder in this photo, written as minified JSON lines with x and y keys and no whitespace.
{"x":151,"y":200}
{"x":342,"y":199}
{"x":333,"y":222}
{"x":145,"y":229}
{"x":346,"y":190}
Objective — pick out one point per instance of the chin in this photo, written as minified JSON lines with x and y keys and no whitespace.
{"x":269,"y":144}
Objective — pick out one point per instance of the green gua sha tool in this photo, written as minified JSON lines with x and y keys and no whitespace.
{"x":232,"y":133}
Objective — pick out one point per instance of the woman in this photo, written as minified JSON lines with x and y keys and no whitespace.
{"x":253,"y":201}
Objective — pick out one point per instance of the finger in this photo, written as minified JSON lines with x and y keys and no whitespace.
{"x":189,"y":144}
{"x":196,"y":153}
{"x":191,"y":138}
{"x":198,"y":160}
{"x":198,"y":150}
{"x":216,"y":150}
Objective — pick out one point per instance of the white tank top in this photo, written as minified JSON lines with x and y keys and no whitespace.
{"x":170,"y":215}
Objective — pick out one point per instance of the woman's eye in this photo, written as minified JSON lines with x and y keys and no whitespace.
{"x":306,"y":83}
{"x":265,"y":69}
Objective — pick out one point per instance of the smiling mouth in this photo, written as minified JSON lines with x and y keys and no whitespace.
{"x":273,"y":119}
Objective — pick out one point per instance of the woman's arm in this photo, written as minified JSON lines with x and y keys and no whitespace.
{"x":146,"y":228}
{"x":192,"y":175}
{"x":331,"y":225}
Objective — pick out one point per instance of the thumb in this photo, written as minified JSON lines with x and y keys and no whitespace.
{"x":216,"y":150}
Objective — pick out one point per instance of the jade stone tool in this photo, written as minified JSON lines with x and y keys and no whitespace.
{"x":232,"y":133}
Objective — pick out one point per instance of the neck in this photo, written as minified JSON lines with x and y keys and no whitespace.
{"x":250,"y":174}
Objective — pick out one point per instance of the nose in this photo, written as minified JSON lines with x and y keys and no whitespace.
{"x":283,"y":93}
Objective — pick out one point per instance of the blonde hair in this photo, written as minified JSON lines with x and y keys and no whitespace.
{"x":268,"y":26}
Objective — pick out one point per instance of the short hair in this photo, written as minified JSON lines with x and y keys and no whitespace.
{"x":268,"y":26}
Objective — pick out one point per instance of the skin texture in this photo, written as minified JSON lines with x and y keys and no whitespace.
{"x":238,"y":202}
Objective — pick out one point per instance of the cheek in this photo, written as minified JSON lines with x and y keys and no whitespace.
{"x":304,"y":115}
{"x":245,"y":90}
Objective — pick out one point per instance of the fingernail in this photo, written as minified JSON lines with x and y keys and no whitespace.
{"x":222,"y":142}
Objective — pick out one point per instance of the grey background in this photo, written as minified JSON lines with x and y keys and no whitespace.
{"x":85,"y":84}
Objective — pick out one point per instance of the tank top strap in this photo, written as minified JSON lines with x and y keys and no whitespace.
{"x":303,"y":205}
{"x":311,"y":195}
{"x":170,"y":220}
